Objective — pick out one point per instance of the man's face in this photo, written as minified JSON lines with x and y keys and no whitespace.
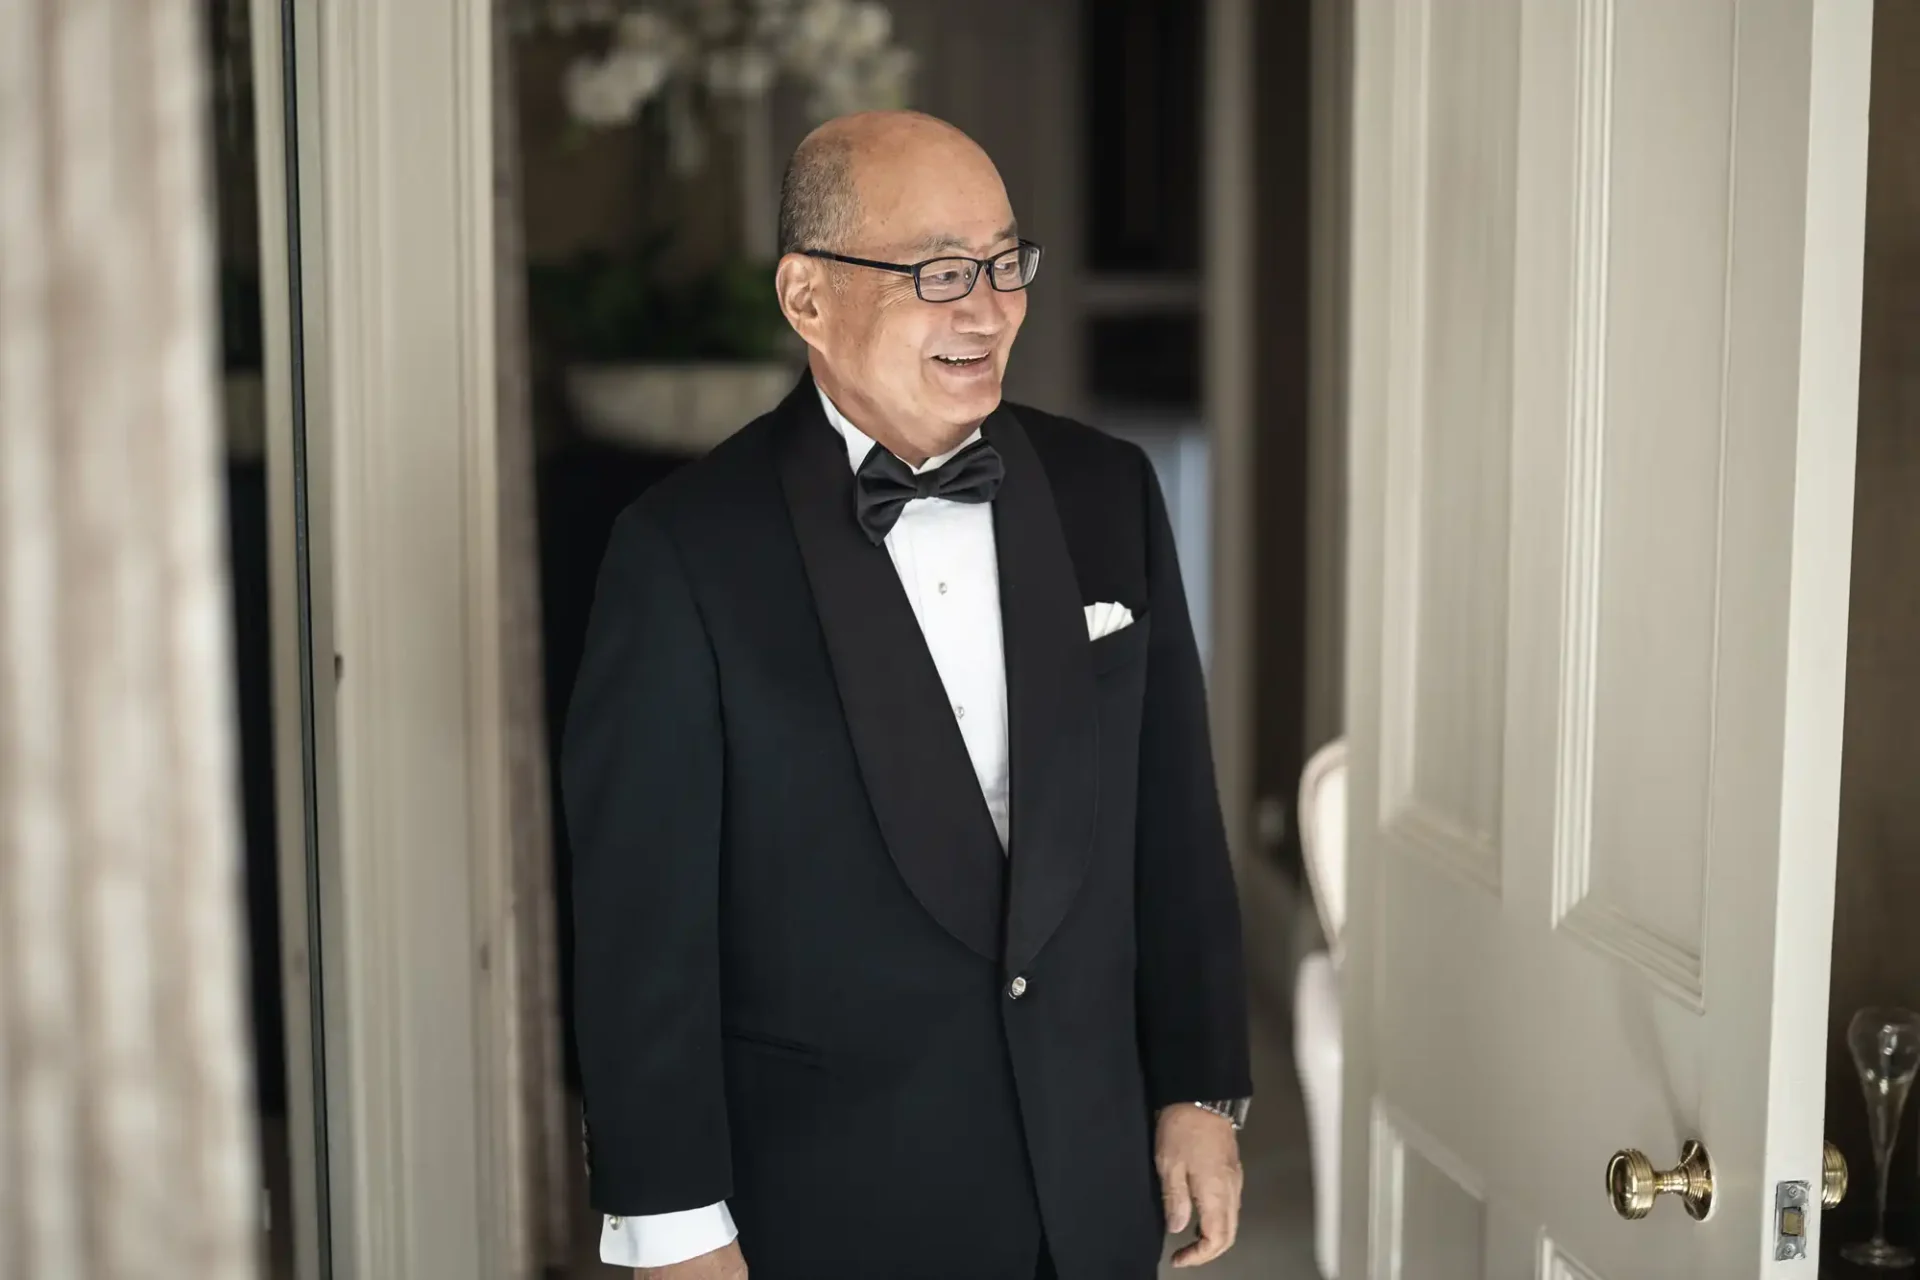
{"x":926,"y":371}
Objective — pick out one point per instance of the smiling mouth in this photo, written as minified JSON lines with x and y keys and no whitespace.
{"x":960,"y":362}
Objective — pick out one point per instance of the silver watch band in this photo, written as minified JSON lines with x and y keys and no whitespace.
{"x":1234,"y":1110}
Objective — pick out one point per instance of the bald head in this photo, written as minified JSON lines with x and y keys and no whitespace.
{"x":856,"y":156}
{"x":888,"y":189}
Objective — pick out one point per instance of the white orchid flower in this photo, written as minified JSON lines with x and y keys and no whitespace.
{"x":821,"y":23}
{"x":612,"y":90}
{"x":866,"y":30}
{"x":740,"y":73}
{"x":650,"y":31}
{"x":840,"y":52}
{"x":595,"y":97}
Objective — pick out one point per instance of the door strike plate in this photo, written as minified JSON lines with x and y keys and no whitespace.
{"x":1792,"y":1219}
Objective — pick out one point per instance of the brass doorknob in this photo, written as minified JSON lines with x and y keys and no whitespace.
{"x":1833,"y":1177}
{"x":1633,"y":1184}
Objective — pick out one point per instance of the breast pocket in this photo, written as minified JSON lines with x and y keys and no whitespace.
{"x":1120,"y":649}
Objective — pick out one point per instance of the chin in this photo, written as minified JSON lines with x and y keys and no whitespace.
{"x":965,"y":408}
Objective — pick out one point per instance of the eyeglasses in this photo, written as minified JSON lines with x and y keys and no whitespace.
{"x":951,"y":279}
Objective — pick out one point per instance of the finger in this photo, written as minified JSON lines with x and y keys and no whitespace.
{"x":1176,"y":1198}
{"x":1218,"y":1222}
{"x":1230,"y":1208}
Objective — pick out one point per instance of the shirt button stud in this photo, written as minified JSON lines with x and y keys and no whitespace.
{"x":1017,"y":988}
{"x":961,"y":712}
{"x":943,"y":588}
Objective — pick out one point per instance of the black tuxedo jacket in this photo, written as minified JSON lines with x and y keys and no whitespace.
{"x":797,"y":935}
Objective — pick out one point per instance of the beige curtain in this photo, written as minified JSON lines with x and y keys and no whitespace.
{"x":547,"y":1148}
{"x":125,"y":1147}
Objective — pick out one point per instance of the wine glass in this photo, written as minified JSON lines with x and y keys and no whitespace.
{"x":1886,"y":1051}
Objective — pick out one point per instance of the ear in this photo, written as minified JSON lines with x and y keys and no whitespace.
{"x":802,"y":289}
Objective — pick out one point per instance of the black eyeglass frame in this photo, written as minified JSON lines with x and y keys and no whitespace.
{"x":982,"y":268}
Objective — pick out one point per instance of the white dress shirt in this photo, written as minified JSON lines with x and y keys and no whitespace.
{"x":945,"y":556}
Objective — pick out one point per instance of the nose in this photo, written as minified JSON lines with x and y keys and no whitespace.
{"x":985,"y":311}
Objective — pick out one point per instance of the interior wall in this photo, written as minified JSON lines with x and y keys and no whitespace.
{"x":1283,"y":105}
{"x":590,"y":189}
{"x":1877,"y":904}
{"x":1326,"y":501}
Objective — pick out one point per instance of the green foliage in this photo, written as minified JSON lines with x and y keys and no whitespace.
{"x":604,"y":308}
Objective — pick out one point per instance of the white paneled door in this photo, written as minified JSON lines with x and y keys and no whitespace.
{"x":1606,"y":292}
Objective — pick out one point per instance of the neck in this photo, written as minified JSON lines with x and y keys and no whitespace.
{"x":861,"y":413}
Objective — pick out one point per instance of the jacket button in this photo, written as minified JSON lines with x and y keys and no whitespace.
{"x":1017,"y":988}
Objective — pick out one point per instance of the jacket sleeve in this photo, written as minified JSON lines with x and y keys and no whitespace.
{"x":641,"y":778}
{"x":1191,"y":983}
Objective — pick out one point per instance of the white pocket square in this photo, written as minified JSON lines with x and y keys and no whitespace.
{"x":1107,"y":617}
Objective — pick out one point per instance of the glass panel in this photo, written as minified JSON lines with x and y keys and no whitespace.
{"x":265,"y":506}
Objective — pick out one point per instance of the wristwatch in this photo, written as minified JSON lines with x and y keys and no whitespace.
{"x":1235,"y":1110}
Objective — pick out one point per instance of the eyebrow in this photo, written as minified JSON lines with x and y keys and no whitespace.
{"x":949,"y":241}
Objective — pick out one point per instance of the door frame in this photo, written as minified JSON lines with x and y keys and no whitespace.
{"x":1236,"y":167}
{"x":300,"y":626}
{"x":392,"y":198}
{"x":395,"y":302}
{"x":1228,"y":372}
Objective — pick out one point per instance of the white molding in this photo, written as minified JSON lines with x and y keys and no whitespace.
{"x":1670,"y":965}
{"x":1470,"y":856}
{"x":1371,"y":108}
{"x":1586,"y":455}
{"x":1557,"y":1264}
{"x":397,"y":163}
{"x":1393,"y":1135}
{"x":501,"y":1117}
{"x":1405,"y":423}
{"x":1447,"y":441}
{"x":1386,"y":1205}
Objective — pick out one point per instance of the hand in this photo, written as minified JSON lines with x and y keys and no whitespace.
{"x":1198,"y":1156}
{"x":722,"y":1264}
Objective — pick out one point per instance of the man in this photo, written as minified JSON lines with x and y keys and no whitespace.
{"x":907,"y":946}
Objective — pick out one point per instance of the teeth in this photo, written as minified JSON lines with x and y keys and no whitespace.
{"x":960,"y":360}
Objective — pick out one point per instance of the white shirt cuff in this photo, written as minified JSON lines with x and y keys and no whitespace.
{"x":662,"y":1239}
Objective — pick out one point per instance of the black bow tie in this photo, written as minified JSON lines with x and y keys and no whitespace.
{"x":885,"y":485}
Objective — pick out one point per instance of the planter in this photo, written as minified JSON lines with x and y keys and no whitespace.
{"x":680,"y":408}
